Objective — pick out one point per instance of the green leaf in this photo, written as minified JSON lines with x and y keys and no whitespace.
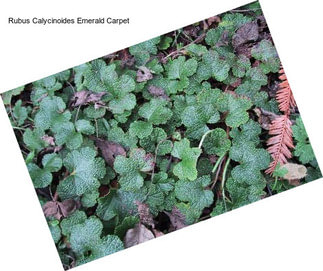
{"x":67,"y":224}
{"x":217,"y":142}
{"x":89,"y":199}
{"x":100,"y":77}
{"x":42,"y":177}
{"x":87,"y":244}
{"x":6,"y":96}
{"x":241,"y":66}
{"x":196,"y":50}
{"x":84,"y":127}
{"x":131,"y":169}
{"x":33,"y":139}
{"x":195,"y":194}
{"x":213,"y":66}
{"x":214,"y":35}
{"x":142,"y":51}
{"x":248,"y":132}
{"x":119,"y":203}
{"x":141,"y":129}
{"x":242,"y":194}
{"x":85,"y":171}
{"x":52,"y":162}
{"x":252,"y":160}
{"x":55,"y":231}
{"x":180,"y":68}
{"x":116,"y":134}
{"x":165,"y":43}
{"x":155,"y":111}
{"x":237,"y":108}
{"x":257,"y":77}
{"x":66,"y":134}
{"x":51,"y":114}
{"x":186,"y":169}
{"x":266,"y":52}
{"x":195,"y":117}
{"x":20,"y":113}
{"x":303,"y":149}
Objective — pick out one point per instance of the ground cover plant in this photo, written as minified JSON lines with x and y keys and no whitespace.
{"x":161,"y":135}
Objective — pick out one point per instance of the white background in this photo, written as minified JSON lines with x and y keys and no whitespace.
{"x":283,"y":232}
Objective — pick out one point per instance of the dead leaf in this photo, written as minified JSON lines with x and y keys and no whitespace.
{"x":264,"y":117}
{"x":295,"y":171}
{"x":109,"y":150}
{"x":247,"y":32}
{"x":177,"y":219}
{"x":157,"y":233}
{"x":49,"y":140}
{"x":224,"y":39}
{"x":137,"y":235}
{"x":213,"y":19}
{"x":158,"y":92}
{"x":294,"y":182}
{"x":85,"y":97}
{"x":127,"y":60}
{"x":59,"y":209}
{"x":143,"y":74}
{"x":144,"y":214}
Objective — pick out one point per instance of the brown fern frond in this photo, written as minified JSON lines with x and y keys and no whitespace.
{"x":281,"y":141}
{"x":284,"y":95}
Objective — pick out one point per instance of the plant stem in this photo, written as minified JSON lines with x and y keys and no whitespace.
{"x":218,"y":162}
{"x":274,"y":187}
{"x":217,"y":175}
{"x":18,"y":128}
{"x":223,"y":181}
{"x":77,"y":114}
{"x":198,"y":39}
{"x":224,"y":173}
{"x":203,"y":138}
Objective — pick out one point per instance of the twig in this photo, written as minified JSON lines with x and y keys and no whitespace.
{"x":77,"y":114}
{"x":223,"y":181}
{"x":217,"y":175}
{"x":245,"y":10}
{"x":18,"y":128}
{"x":203,"y":138}
{"x":71,"y":86}
{"x":225,"y":172}
{"x":218,"y":162}
{"x":200,"y":38}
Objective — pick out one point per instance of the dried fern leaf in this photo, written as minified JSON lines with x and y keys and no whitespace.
{"x":281,"y":142}
{"x":284,"y":95}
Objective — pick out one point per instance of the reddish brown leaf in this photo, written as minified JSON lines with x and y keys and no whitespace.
{"x":157,"y":233}
{"x":49,"y":140}
{"x":127,"y":60}
{"x":265,"y":117}
{"x":247,"y":32}
{"x":144,"y":214}
{"x":59,"y":209}
{"x":177,"y":219}
{"x":143,"y":74}
{"x":137,"y":235}
{"x":109,"y":150}
{"x":85,"y":97}
{"x":158,"y":92}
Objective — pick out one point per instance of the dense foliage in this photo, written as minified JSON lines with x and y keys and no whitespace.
{"x":158,"y":136}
